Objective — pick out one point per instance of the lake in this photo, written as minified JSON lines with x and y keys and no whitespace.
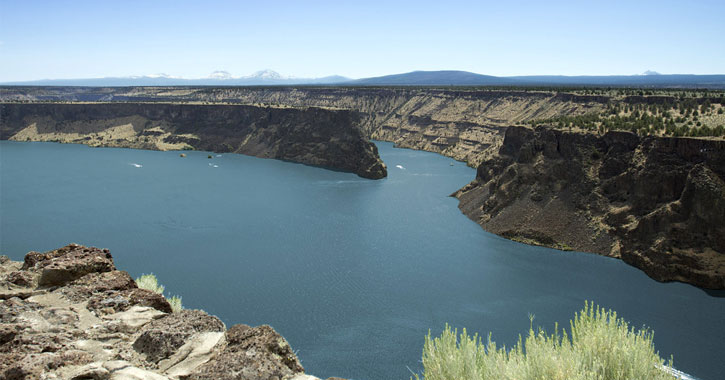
{"x":353,"y":272}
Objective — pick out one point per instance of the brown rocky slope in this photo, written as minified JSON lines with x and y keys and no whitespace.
{"x":70,"y":314}
{"x":657,"y":203}
{"x":314,"y":136}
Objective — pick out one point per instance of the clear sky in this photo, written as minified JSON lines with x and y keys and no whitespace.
{"x":86,"y":39}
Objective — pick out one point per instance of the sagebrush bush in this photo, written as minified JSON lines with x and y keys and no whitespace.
{"x":150,"y":282}
{"x":175,"y":302}
{"x":601,"y":346}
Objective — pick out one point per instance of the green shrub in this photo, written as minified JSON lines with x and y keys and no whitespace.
{"x":175,"y":303}
{"x":601,"y":346}
{"x":150,"y":282}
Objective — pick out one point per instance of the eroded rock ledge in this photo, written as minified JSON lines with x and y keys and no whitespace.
{"x":70,"y":314}
{"x":657,"y":203}
{"x":309,"y":135}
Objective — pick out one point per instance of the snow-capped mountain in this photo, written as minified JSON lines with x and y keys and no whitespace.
{"x":217,"y":78}
{"x":221,"y":75}
{"x":268,"y":74}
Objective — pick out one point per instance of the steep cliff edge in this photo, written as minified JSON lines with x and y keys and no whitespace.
{"x":70,"y":314}
{"x":466,"y":124}
{"x":313,"y":136}
{"x":657,"y":203}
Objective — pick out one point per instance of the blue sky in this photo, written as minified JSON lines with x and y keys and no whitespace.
{"x":86,"y":39}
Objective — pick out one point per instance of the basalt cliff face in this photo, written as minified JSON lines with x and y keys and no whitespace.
{"x":314,"y":136}
{"x":70,"y":314}
{"x":465,"y":124}
{"x":657,"y":203}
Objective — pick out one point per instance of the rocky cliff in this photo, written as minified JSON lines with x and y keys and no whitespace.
{"x":657,"y":203}
{"x":465,"y":124}
{"x":314,"y":136}
{"x":456,"y":122}
{"x":70,"y":314}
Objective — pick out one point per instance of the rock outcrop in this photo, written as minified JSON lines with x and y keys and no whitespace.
{"x":657,"y":203}
{"x":313,"y":136}
{"x":70,"y":314}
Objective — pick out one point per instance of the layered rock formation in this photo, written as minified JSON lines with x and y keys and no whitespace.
{"x":465,"y":124}
{"x":70,"y":314}
{"x":656,"y":203}
{"x":313,"y":136}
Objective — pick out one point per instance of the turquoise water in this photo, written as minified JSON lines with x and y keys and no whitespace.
{"x":352,"y":272}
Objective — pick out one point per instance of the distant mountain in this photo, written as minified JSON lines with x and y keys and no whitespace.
{"x":220,"y":75}
{"x":267,"y":75}
{"x":435,"y":78}
{"x":464,"y":78}
{"x":648,"y":80}
{"x":415,"y":78}
{"x":217,"y":78}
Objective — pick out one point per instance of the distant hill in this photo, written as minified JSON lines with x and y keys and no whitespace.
{"x":435,"y":78}
{"x":464,"y":78}
{"x":415,"y":78}
{"x":647,"y":80}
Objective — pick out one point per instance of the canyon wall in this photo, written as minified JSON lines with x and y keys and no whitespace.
{"x":657,"y":203}
{"x":465,"y":124}
{"x":313,"y":136}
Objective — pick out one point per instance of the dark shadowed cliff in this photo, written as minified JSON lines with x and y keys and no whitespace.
{"x":657,"y":203}
{"x":314,"y":136}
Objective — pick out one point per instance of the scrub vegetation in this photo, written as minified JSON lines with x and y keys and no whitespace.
{"x":150,"y":282}
{"x":599,"y":346}
{"x":676,"y":115}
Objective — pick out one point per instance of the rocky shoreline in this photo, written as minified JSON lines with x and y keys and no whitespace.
{"x":310,"y":135}
{"x":70,"y":314}
{"x":658,"y":203}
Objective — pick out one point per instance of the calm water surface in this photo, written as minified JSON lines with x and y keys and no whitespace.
{"x":352,"y":272}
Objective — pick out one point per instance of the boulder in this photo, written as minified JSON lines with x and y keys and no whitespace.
{"x":114,"y":301}
{"x":93,"y":371}
{"x":196,"y":351}
{"x":21,"y":278}
{"x":252,"y":353}
{"x":61,"y":266}
{"x":82,"y":288}
{"x":163,"y":337}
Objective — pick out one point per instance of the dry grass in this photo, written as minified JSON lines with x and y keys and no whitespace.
{"x":599,"y":346}
{"x":150,"y":282}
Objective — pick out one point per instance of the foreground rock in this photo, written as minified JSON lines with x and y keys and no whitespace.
{"x":657,"y":203}
{"x":70,"y":314}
